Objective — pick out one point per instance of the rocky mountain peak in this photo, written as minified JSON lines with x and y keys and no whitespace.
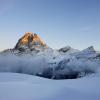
{"x":89,"y":50}
{"x":30,"y":40}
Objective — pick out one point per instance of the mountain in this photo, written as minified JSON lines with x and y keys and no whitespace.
{"x":67,"y":50}
{"x":89,"y":50}
{"x":87,"y":53}
{"x":30,"y":43}
{"x":37,"y":58}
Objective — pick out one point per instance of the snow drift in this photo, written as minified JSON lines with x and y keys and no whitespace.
{"x":15,"y":86}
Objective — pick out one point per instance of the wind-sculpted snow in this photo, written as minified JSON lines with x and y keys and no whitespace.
{"x":46,"y":67}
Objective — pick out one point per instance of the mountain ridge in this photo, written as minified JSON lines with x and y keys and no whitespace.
{"x":31,"y":43}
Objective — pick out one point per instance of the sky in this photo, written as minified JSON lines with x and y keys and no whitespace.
{"x":59,"y":23}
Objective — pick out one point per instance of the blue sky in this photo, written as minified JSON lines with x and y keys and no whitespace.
{"x":58,"y":22}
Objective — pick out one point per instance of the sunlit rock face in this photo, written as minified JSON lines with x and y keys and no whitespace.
{"x":29,"y":44}
{"x":30,"y":41}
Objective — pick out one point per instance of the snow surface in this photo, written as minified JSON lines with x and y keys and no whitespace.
{"x":15,"y":86}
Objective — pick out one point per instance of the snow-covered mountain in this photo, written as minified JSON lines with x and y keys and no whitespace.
{"x":67,"y":50}
{"x":32,"y":44}
{"x":89,"y":52}
{"x":32,"y":55}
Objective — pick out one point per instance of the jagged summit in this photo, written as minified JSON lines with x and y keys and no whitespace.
{"x":89,"y":50}
{"x":68,"y":49}
{"x":30,"y":40}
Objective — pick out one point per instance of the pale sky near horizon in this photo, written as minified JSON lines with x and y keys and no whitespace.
{"x":58,"y":22}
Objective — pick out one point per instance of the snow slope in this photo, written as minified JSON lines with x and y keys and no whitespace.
{"x":15,"y":86}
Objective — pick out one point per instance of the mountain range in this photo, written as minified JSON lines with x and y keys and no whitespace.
{"x":63,"y":63}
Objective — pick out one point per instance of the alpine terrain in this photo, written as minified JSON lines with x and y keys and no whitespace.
{"x":31,"y":55}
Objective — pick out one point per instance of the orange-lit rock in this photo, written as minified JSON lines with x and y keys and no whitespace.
{"x":30,"y":40}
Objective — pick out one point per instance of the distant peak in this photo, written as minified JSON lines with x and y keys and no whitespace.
{"x":89,"y":49}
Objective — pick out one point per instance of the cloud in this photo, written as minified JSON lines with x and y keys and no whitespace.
{"x":27,"y":65}
{"x":39,"y":65}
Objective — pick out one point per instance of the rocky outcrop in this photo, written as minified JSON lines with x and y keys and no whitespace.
{"x":30,"y":41}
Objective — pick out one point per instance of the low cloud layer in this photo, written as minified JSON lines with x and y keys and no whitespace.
{"x":27,"y":65}
{"x":37,"y":65}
